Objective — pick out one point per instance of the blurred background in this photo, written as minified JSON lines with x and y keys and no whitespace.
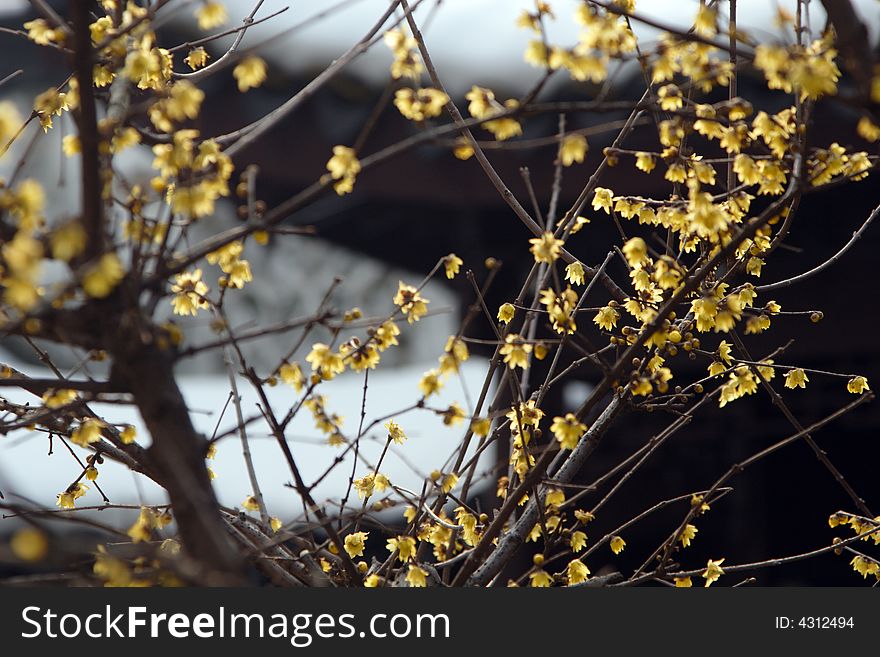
{"x":410,"y":211}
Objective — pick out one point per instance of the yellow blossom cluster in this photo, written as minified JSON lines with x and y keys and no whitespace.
{"x":809,"y":72}
{"x":237,"y":270}
{"x":407,"y":62}
{"x":483,"y":105}
{"x":344,"y":168}
{"x":193,"y":175}
{"x":421,"y":104}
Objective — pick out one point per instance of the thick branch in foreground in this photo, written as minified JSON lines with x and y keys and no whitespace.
{"x":92,"y":205}
{"x":177,"y":454}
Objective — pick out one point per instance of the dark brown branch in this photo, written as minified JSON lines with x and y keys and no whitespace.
{"x":178,"y":451}
{"x":83,"y":60}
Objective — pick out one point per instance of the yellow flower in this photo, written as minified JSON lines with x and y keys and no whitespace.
{"x":527,"y":414}
{"x":58,"y":398}
{"x":515,"y":351}
{"x":576,"y":572}
{"x":141,"y":530}
{"x":102,"y":75}
{"x":857,"y":385}
{"x":39,"y":31}
{"x":645,"y":162}
{"x":226,"y":255}
{"x":395,"y":432}
{"x":713,"y":571}
{"x":504,"y":128}
{"x":397,"y":40}
{"x":452,"y":264}
{"x":360,"y":357}
{"x":636,"y":251}
{"x":67,"y":241}
{"x":579,"y":222}
{"x":481,"y":426}
{"x":683,"y":582}
{"x":250,"y":504}
{"x":468,"y":523}
{"x":573,"y":149}
{"x":292,"y":375}
{"x":506,"y":312}
{"x":125,"y":138}
{"x":196,"y":201}
{"x":449,"y":482}
{"x":546,"y":248}
{"x":250,"y":73}
{"x":704,"y":24}
{"x":365,"y":485}
{"x":575,"y":273}
{"x":405,"y":546}
{"x":324,"y":360}
{"x":554,"y":498}
{"x":211,"y":14}
{"x":482,"y":103}
{"x":238,"y":273}
{"x":430,"y":383}
{"x":406,"y":60}
{"x":386,"y":335}
{"x":189,"y":293}
{"x":372,"y":581}
{"x":410,"y":302}
{"x":676,"y":172}
{"x":796,"y":378}
{"x":453,"y":415}
{"x":355,"y":542}
{"x":866,"y":129}
{"x":87,"y":433}
{"x":583,"y":517}
{"x":602,"y":199}
{"x":197,"y":58}
{"x":540,"y":579}
{"x":606,"y":318}
{"x":275,"y":524}
{"x":865,"y":566}
{"x":10,"y":121}
{"x":567,"y":430}
{"x":463,"y":149}
{"x":690,"y":531}
{"x":670,"y":98}
{"x":26,"y":203}
{"x":420,"y":105}
{"x":416,"y":577}
{"x":536,"y":53}
{"x":578,"y":541}
{"x":147,"y":66}
{"x":48,"y":104}
{"x":617,"y":545}
{"x":454,"y":353}
{"x":184,"y":102}
{"x":101,"y":278}
{"x":67,"y":499}
{"x":30,"y":544}
{"x":70,"y":145}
